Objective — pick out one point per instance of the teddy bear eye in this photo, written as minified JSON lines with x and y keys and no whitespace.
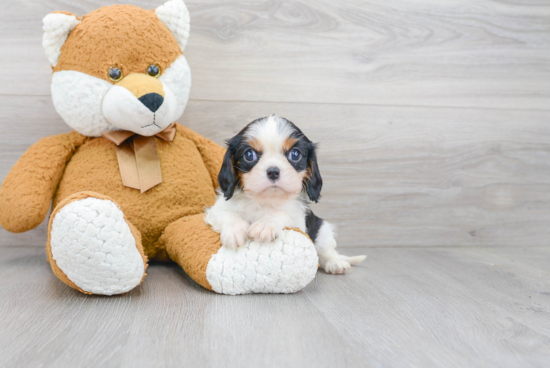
{"x":153,"y":70}
{"x":115,"y":74}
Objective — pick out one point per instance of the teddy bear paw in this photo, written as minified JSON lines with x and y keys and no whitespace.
{"x":92,"y":244}
{"x":284,"y":265}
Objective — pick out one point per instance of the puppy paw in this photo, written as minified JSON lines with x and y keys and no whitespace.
{"x":263,"y":231}
{"x":337,"y":266}
{"x":235,"y":235}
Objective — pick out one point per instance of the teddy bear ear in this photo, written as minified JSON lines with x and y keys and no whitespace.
{"x":175,"y":16}
{"x":57,"y":27}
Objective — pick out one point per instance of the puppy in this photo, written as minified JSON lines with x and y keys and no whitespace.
{"x":268,"y":173}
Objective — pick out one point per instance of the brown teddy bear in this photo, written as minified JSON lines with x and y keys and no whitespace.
{"x":129,"y":184}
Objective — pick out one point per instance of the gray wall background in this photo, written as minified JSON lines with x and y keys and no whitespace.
{"x":433,"y":116}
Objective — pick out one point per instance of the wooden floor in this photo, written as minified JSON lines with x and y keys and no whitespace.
{"x":405,"y":307}
{"x":434,"y":124}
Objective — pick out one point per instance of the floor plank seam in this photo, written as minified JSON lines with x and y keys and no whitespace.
{"x":337,"y":103}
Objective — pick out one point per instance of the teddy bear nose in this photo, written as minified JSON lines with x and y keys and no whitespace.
{"x":153,"y":101}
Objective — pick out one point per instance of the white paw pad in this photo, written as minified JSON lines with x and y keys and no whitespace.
{"x":285,"y":265}
{"x":93,"y":245}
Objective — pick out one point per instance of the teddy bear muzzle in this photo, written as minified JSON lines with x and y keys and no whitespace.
{"x":141,"y":104}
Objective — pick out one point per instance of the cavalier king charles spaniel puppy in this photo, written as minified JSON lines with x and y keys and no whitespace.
{"x":268,"y":173}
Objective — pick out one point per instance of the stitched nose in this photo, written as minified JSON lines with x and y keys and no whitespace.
{"x":152,"y":100}
{"x":273,"y":173}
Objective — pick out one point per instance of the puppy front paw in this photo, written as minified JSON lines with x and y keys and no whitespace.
{"x":264,"y":231}
{"x":234,"y":235}
{"x":337,"y":266}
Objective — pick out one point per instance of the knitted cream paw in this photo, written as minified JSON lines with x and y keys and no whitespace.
{"x":92,"y":244}
{"x":285,"y":265}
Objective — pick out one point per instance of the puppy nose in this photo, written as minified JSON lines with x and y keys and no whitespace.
{"x":152,"y":101}
{"x":273,"y":173}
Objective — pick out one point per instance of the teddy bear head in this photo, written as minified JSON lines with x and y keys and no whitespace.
{"x":119,"y":67}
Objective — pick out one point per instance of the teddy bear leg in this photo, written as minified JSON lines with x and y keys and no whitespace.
{"x":92,"y":247}
{"x":285,"y":265}
{"x":191,"y":244}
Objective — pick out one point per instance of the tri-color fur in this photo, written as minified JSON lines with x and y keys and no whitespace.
{"x":269,"y":175}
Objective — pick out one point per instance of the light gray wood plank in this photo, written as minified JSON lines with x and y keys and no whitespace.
{"x":427,"y":53}
{"x":168,"y":322}
{"x":392,"y":175}
{"x":458,"y":307}
{"x":404,"y":307}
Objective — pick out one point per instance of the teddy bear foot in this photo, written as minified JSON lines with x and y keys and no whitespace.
{"x":285,"y":265}
{"x":92,"y":247}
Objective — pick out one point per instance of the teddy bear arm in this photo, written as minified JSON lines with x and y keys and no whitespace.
{"x":28,"y":189}
{"x":212,"y":153}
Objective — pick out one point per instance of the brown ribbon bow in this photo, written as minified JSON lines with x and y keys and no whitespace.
{"x":138,"y":158}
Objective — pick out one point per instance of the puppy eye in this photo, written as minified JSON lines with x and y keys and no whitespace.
{"x":153,"y":70}
{"x":115,"y":74}
{"x":294,"y":155}
{"x":250,"y":155}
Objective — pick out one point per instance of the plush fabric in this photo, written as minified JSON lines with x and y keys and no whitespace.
{"x":189,"y":168}
{"x":285,"y":265}
{"x":125,"y":37}
{"x":27,"y":190}
{"x":88,"y":259}
{"x":77,"y":98}
{"x":178,"y":79}
{"x":175,"y":16}
{"x":102,"y":40}
{"x":57,"y":27}
{"x":191,"y":244}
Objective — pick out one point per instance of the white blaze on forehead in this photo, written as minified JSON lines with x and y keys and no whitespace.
{"x":271,"y":133}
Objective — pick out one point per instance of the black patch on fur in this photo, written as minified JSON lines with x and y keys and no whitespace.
{"x":313,"y":224}
{"x":234,"y":161}
{"x":313,"y":182}
{"x":303,"y":145}
{"x":226,"y":177}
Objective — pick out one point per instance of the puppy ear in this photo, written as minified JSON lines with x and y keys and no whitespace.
{"x":313,"y":181}
{"x":226,"y":178}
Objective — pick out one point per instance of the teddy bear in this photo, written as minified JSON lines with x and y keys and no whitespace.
{"x":129,"y":184}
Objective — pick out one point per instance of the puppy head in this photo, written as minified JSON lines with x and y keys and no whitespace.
{"x":271,"y":159}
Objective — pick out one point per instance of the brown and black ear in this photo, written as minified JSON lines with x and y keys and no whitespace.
{"x":227,"y":178}
{"x":313,"y":181}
